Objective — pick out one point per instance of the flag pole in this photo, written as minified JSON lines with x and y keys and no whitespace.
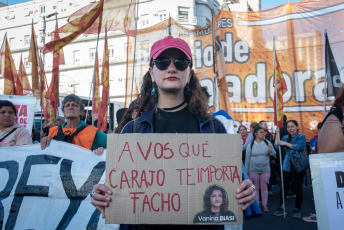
{"x":325,"y":82}
{"x":214,"y":68}
{"x":133,"y":77}
{"x":3,"y":41}
{"x":58,"y":85}
{"x":278,"y":133}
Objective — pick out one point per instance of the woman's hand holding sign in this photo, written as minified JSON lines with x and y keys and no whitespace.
{"x":246,"y":194}
{"x":99,"y":198}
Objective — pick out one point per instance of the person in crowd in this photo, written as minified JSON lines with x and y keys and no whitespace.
{"x":257,"y":164}
{"x":171,"y":101}
{"x":59,"y":121}
{"x":45,"y":132}
{"x":249,"y":138}
{"x":269,"y":137}
{"x":331,"y":135}
{"x":215,"y":207}
{"x":242,"y":130}
{"x":87,"y":136}
{"x":11,"y":134}
{"x":293,"y":141}
{"x":129,"y":115}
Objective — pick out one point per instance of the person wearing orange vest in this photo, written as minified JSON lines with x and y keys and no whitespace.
{"x":89,"y":137}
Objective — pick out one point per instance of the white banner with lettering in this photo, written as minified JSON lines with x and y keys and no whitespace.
{"x":49,"y":189}
{"x":25,"y":106}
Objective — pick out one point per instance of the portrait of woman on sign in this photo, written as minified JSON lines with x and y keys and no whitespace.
{"x":215,"y":207}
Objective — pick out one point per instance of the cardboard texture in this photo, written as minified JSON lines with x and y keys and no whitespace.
{"x":156,"y":180}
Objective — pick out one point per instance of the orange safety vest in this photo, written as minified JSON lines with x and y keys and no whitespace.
{"x":84,"y":139}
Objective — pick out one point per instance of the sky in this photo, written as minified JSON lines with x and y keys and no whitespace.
{"x":266,"y":4}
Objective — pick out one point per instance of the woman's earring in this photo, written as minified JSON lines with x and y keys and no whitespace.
{"x":153,"y":90}
{"x":187,"y":90}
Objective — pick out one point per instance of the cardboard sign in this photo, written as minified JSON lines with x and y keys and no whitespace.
{"x":25,"y":106}
{"x":328,"y":188}
{"x":173,"y":178}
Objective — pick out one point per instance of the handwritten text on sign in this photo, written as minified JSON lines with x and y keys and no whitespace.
{"x":168,"y":174}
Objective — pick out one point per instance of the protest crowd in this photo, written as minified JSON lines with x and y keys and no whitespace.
{"x":162,"y":103}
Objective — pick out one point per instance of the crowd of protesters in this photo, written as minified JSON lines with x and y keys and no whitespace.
{"x":172,"y":101}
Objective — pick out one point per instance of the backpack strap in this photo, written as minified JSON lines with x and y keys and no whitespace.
{"x":14,"y":129}
{"x":212,"y":126}
{"x":136,"y":125}
{"x":78,"y":131}
{"x":265,"y":141}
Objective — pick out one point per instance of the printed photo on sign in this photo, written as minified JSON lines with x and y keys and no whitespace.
{"x":215,"y":206}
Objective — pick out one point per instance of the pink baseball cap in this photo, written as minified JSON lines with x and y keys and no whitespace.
{"x":170,"y":42}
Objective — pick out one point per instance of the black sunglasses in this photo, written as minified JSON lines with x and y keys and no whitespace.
{"x":164,"y":63}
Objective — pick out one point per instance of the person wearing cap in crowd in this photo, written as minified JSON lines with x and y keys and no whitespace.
{"x":90,"y":137}
{"x":11,"y":134}
{"x":171,"y":101}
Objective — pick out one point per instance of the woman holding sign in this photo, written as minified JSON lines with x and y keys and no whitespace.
{"x":11,"y":134}
{"x":172,"y":101}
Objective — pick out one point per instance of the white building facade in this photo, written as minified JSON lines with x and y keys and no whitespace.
{"x":77,"y":73}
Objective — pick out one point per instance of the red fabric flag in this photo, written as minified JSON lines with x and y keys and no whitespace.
{"x":281,"y":88}
{"x":22,"y":76}
{"x":52,"y":92}
{"x":73,"y":29}
{"x":7,"y":68}
{"x":118,"y":15}
{"x":96,"y":96}
{"x":103,"y":108}
{"x":34,"y":59}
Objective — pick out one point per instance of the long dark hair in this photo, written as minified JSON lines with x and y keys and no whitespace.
{"x":127,"y":117}
{"x":197,"y":100}
{"x":207,"y":195}
{"x":296,"y":124}
{"x":256,"y":131}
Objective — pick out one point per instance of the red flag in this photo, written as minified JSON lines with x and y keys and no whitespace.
{"x":118,"y":15}
{"x":96,"y":96}
{"x":280,"y":89}
{"x":73,"y":29}
{"x":52,"y":92}
{"x":7,"y":68}
{"x":103,"y":108}
{"x":22,"y":76}
{"x":34,"y":59}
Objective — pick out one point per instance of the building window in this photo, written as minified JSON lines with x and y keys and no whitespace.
{"x":183,"y":14}
{"x":92,"y":54}
{"x":11,"y":15}
{"x":42,"y":9}
{"x":125,"y":50}
{"x":27,"y":40}
{"x":162,"y":15}
{"x":111,"y":52}
{"x":11,"y":42}
{"x":76,"y":57}
{"x":27,"y":63}
{"x":144,"y":20}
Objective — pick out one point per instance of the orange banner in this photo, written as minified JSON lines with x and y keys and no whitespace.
{"x":247,"y":42}
{"x":34,"y":59}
